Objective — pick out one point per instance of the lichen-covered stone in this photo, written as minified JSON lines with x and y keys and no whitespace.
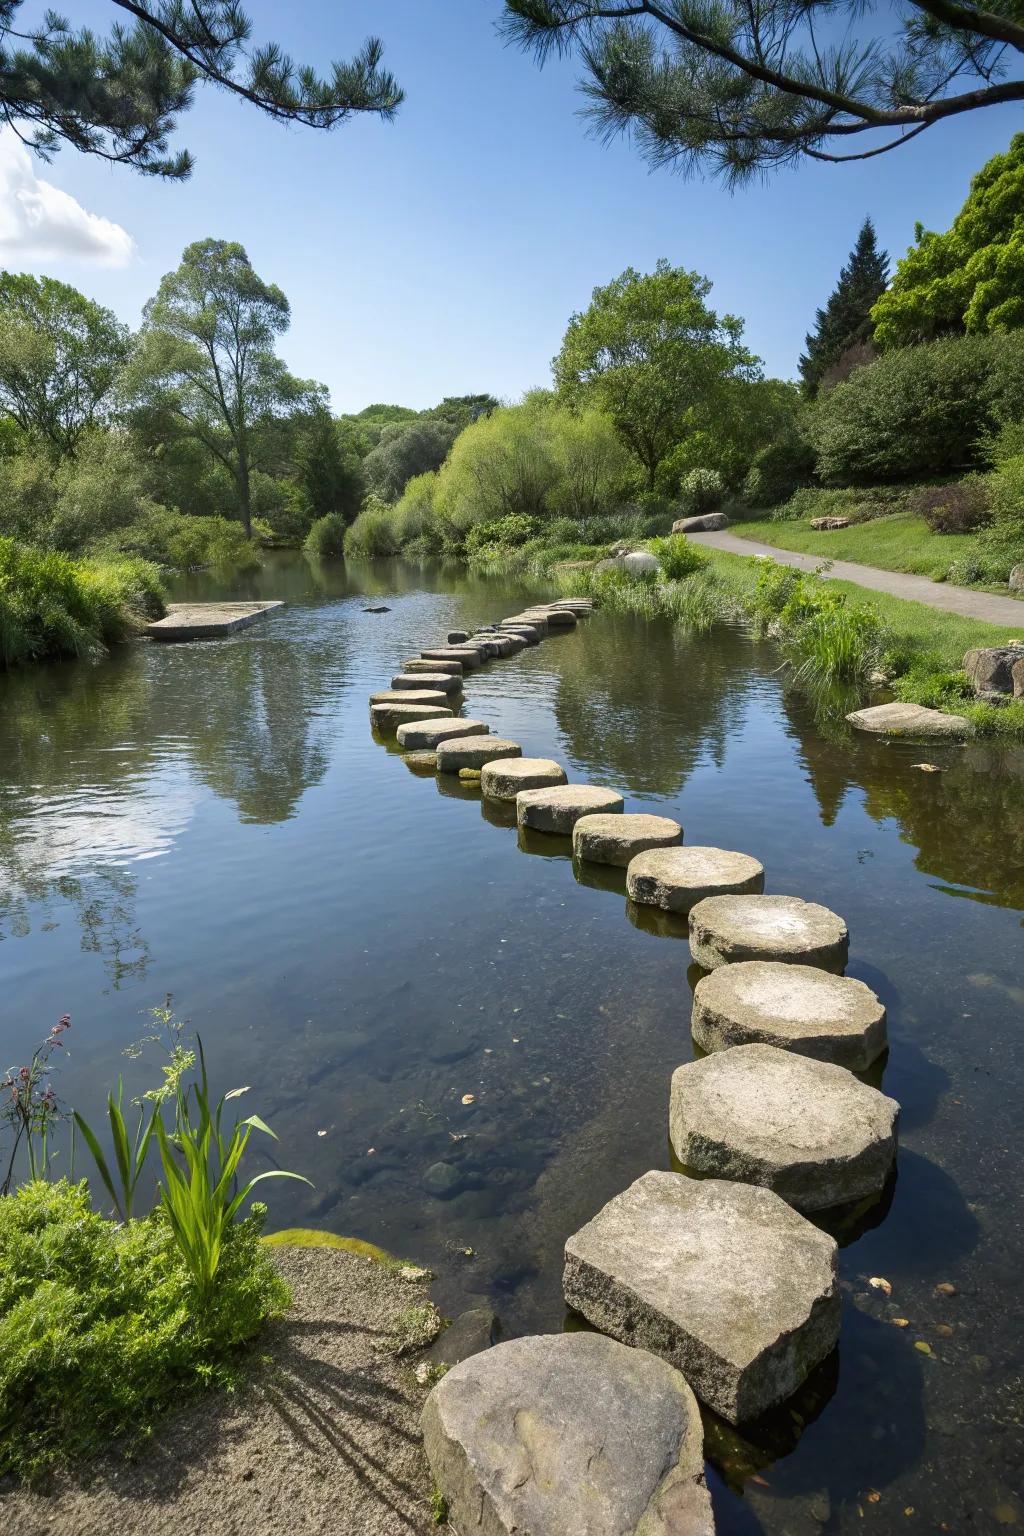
{"x":430,"y":733}
{"x":728,"y":928}
{"x":504,"y":780}
{"x":794,"y":1007}
{"x":617,"y":839}
{"x":560,"y":808}
{"x":474,"y":752}
{"x":675,"y":879}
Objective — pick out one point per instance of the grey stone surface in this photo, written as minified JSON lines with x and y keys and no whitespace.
{"x":410,"y":696}
{"x":468,"y":1334}
{"x":561,"y":618}
{"x":707,"y":522}
{"x":1017,"y":673}
{"x":728,"y":928}
{"x":808,"y":1130}
{"x":580,"y":606}
{"x":417,"y":664}
{"x":457,"y":635}
{"x":474,"y":752}
{"x":504,"y":780}
{"x":207,"y":621}
{"x":990,"y":668}
{"x":389,"y":717}
{"x":430,"y":733}
{"x":560,"y":808}
{"x":421,"y":762}
{"x":675,"y":879}
{"x":567,"y":1434}
{"x":1016,"y":581}
{"x":726,"y":1281}
{"x":467,"y":654}
{"x":617,"y":839}
{"x":795,"y":1007}
{"x":640,"y":562}
{"x":441,"y":682}
{"x":897,"y":719}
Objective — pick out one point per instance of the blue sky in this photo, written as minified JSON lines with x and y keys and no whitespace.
{"x":444,"y":253}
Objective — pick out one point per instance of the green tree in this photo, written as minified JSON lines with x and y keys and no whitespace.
{"x":328,"y":470}
{"x":120,"y":96}
{"x":846,"y":320}
{"x":741,"y":88}
{"x":59,"y":357}
{"x":650,"y":353}
{"x":206,"y":363}
{"x":972,"y":277}
{"x":405,"y":451}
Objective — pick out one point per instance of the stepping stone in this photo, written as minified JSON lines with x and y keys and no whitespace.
{"x":618,"y":839}
{"x":503,"y":781}
{"x":468,"y":655}
{"x":898,"y":719}
{"x":561,"y":618}
{"x":677,"y":878}
{"x":577,"y":605}
{"x":560,"y":808}
{"x":457,"y":635}
{"x":725,"y":1281}
{"x":441,"y":682}
{"x":388,"y":717}
{"x":419,"y":665}
{"x":808,"y":1130}
{"x":428,"y":734}
{"x":421,"y":762}
{"x":410,"y":696}
{"x":794,"y":1007}
{"x":568,"y":1434}
{"x":474,"y":752}
{"x":727,"y":928}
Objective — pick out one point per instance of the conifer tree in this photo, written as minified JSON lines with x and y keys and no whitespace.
{"x":846,"y":318}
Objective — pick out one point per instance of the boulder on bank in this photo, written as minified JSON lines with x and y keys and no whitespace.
{"x":724,"y":929}
{"x":504,"y":780}
{"x":559,"y":809}
{"x":568,"y":1433}
{"x":675,"y":879}
{"x":474,"y":752}
{"x":616,"y":839}
{"x":990,"y":668}
{"x":640,"y":562}
{"x":707,"y":522}
{"x":829,"y":524}
{"x":808,"y":1130}
{"x":794,"y":1007}
{"x":726,"y":1281}
{"x":1016,"y":581}
{"x":899,"y":719}
{"x":428,"y":734}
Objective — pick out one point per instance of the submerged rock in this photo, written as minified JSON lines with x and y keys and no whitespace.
{"x":794,"y":1007}
{"x":677,"y":878}
{"x":729,"y":928}
{"x":568,"y":1435}
{"x":617,"y":839}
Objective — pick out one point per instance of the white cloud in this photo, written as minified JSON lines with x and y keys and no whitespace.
{"x":39,"y":222}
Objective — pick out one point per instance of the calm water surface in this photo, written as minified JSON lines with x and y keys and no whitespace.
{"x":364,"y":946}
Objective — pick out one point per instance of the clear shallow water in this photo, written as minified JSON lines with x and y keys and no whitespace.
{"x":216,"y":821}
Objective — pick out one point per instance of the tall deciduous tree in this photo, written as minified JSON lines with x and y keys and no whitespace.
{"x":206,"y":362}
{"x":845,"y":321}
{"x":972,"y":277}
{"x":120,"y":96}
{"x":738,"y":87}
{"x":59,"y":357}
{"x":650,"y":353}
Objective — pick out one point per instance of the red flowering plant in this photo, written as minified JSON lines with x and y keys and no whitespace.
{"x":29,"y":1106}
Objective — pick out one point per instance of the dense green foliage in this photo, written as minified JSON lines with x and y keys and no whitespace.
{"x":326,"y":538}
{"x":972,"y":277}
{"x":405,"y":450}
{"x":53,"y":606}
{"x":845,"y":321}
{"x":99,"y":1328}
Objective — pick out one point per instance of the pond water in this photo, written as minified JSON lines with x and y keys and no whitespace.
{"x":364,"y":947}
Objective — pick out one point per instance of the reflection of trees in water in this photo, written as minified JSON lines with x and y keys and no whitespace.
{"x":103,"y":904}
{"x":642,"y":703}
{"x":966,"y":822}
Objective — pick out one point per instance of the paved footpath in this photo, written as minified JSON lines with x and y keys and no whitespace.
{"x":916,"y":589}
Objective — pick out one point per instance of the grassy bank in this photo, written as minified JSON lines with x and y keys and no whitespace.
{"x":51,"y":605}
{"x":900,"y":542}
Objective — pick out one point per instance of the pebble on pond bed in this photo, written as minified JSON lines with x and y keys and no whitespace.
{"x":728,"y":928}
{"x":474,"y":752}
{"x":795,"y":1007}
{"x":618,"y":839}
{"x":504,"y":780}
{"x":560,"y":808}
{"x":675,"y":879}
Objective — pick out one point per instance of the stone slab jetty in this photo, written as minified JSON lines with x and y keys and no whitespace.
{"x":208,"y":621}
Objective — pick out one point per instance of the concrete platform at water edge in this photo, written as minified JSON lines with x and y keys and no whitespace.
{"x":208,"y":621}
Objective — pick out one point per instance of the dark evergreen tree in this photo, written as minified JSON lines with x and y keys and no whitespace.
{"x":845,"y":321}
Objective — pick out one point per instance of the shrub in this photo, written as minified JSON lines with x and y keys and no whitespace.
{"x":374,"y":532}
{"x":51,"y":605}
{"x":777,"y":471}
{"x":963,"y":507}
{"x":184,"y":542}
{"x":509,"y":531}
{"x":326,"y":537}
{"x":678,"y":557}
{"x":701,"y":490}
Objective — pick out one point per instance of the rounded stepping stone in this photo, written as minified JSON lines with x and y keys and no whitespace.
{"x":421,"y":762}
{"x":577,"y":605}
{"x":725,"y":1281}
{"x":441,"y":682}
{"x":389,"y":717}
{"x":409,"y":696}
{"x":417,"y":664}
{"x":504,"y":780}
{"x":568,"y":1433}
{"x":794,"y":1007}
{"x":618,"y":839}
{"x":526,"y":632}
{"x":457,"y":635}
{"x":468,"y":655}
{"x":474,"y":752}
{"x":677,"y":878}
{"x":808,"y":1130}
{"x":427,"y":734}
{"x":727,"y":928}
{"x":560,"y":808}
{"x":561,"y":618}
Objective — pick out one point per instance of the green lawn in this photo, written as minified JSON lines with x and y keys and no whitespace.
{"x":899,"y":542}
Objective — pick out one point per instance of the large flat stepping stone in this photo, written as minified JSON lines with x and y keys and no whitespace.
{"x":560,"y":808}
{"x":560,"y":618}
{"x":728,"y":928}
{"x":897,"y":719}
{"x":794,"y":1007}
{"x":618,"y":839}
{"x":808,"y":1130}
{"x":410,"y":696}
{"x":504,"y":780}
{"x":473,"y":752}
{"x":428,"y":735}
{"x":389,"y":717}
{"x":725,"y":1281}
{"x":417,"y":664}
{"x":469,"y":656}
{"x":442,"y":682}
{"x":675,"y":879}
{"x":568,"y":1434}
{"x":577,"y":605}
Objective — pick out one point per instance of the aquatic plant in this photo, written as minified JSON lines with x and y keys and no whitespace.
{"x":29,"y":1107}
